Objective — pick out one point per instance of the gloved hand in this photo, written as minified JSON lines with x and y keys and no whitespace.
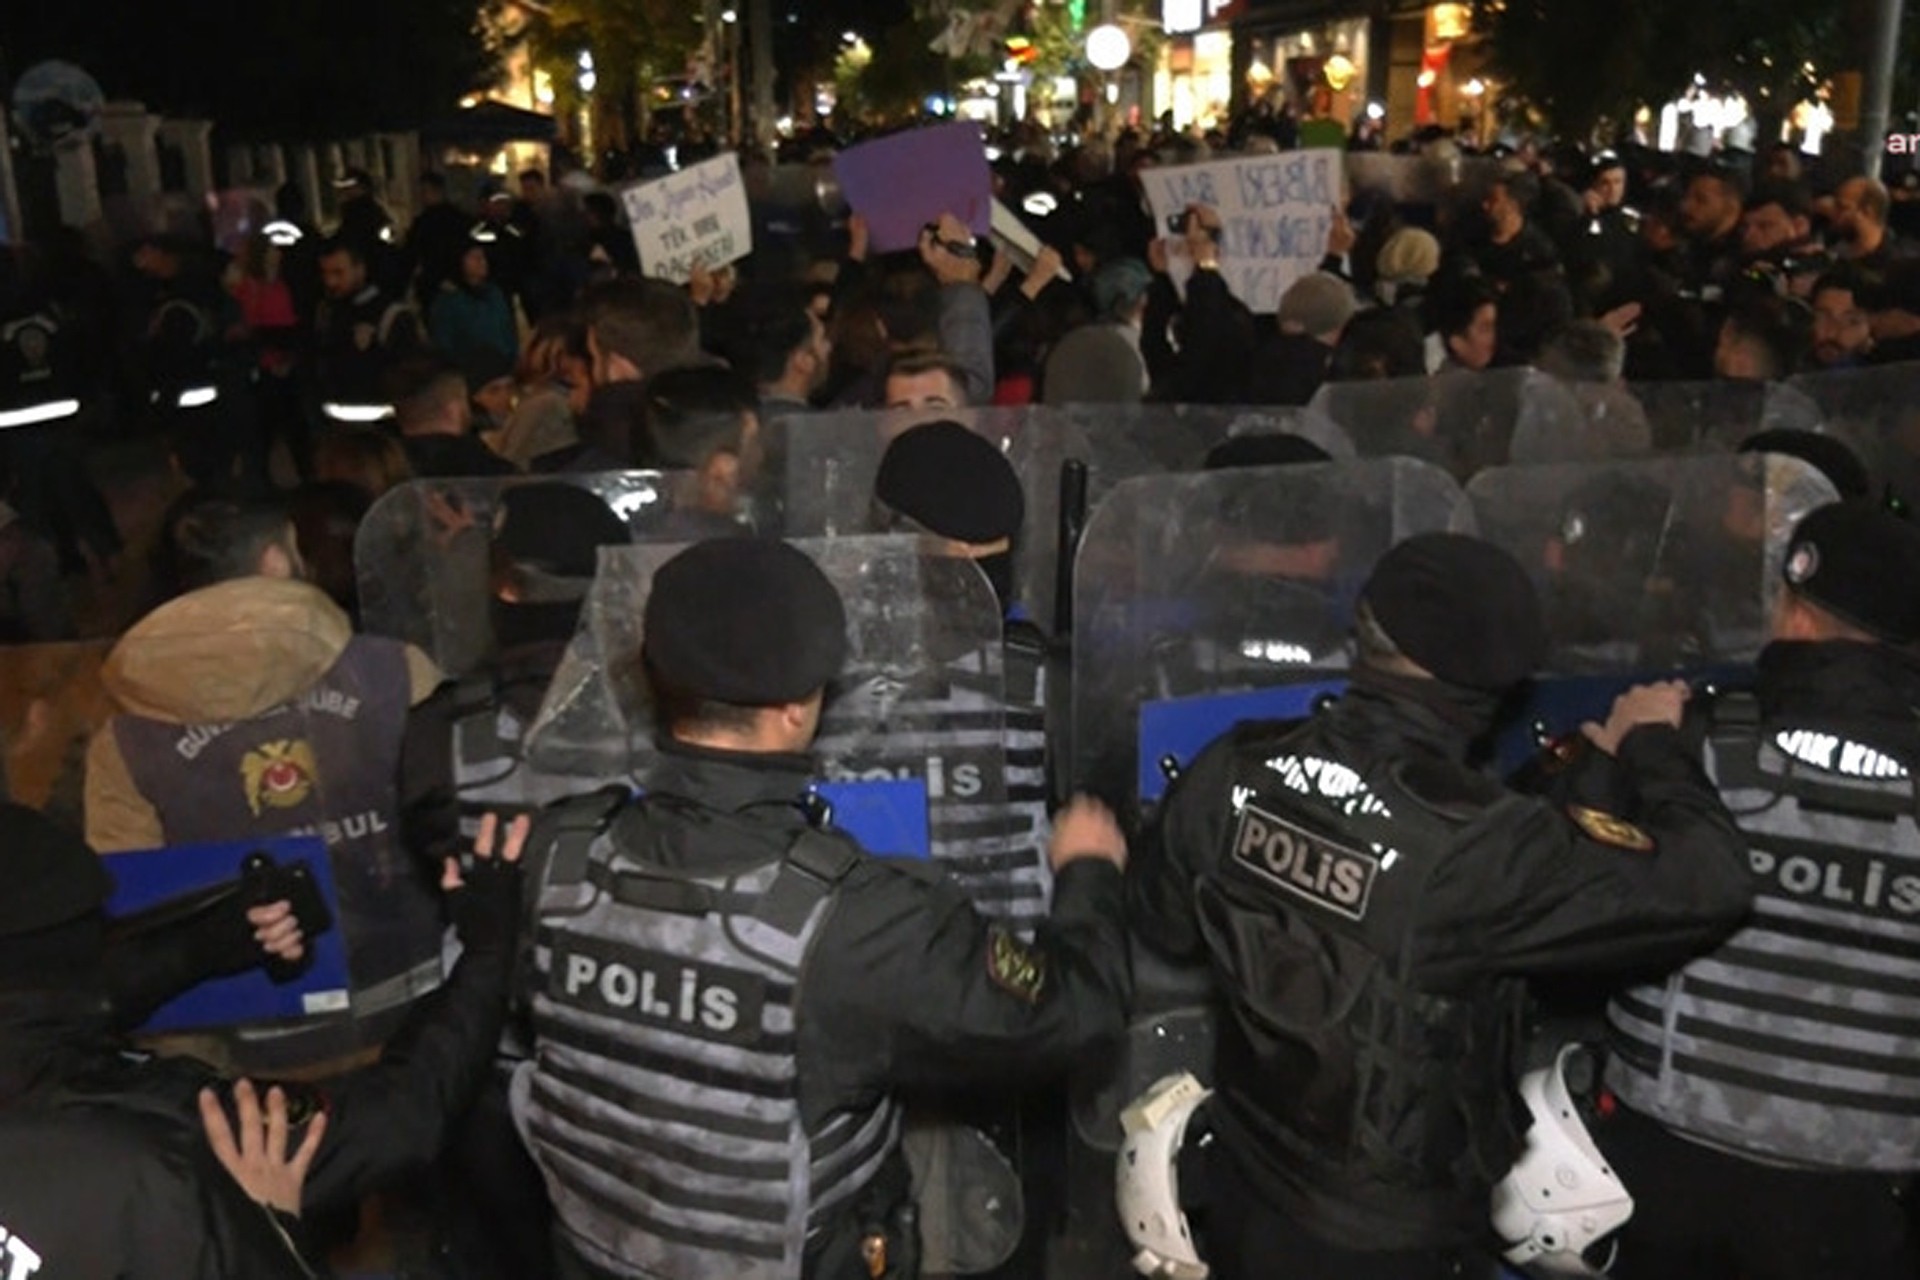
{"x":486,"y":895}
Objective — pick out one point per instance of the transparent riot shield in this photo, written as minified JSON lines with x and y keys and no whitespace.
{"x":320,"y":765}
{"x":423,"y":554}
{"x":820,"y":468}
{"x":1877,"y":411}
{"x":1193,"y":585}
{"x":1458,"y":421}
{"x":1647,"y":569}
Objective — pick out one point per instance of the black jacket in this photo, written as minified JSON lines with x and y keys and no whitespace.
{"x":104,"y":1167}
{"x":1507,"y":887}
{"x":901,"y":995}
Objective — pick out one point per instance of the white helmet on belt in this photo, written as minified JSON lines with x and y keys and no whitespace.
{"x":1148,"y":1185}
{"x":1561,"y":1197}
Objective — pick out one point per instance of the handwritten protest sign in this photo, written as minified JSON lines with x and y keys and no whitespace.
{"x":698,"y":215}
{"x":901,"y":183}
{"x":1275,"y":213}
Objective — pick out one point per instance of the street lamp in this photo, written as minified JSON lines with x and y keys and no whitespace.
{"x":1108,"y":49}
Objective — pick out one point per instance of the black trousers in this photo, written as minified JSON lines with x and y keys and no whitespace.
{"x":1242,"y":1238}
{"x":1700,"y":1214}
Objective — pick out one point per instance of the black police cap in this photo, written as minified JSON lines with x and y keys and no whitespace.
{"x":1861,"y":563}
{"x":1461,"y":608}
{"x":1829,"y":455}
{"x":953,"y":483}
{"x":557,"y":528}
{"x":53,"y":878}
{"x":745,"y":621}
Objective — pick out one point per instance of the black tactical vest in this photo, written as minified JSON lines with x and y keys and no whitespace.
{"x":1360,"y":1097}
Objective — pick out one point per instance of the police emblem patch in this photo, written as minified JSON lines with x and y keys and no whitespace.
{"x":1015,"y":967}
{"x":1615,"y":832}
{"x":279,"y":775}
{"x":1803,"y":563}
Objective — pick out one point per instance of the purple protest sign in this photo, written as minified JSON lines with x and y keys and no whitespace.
{"x":901,"y":183}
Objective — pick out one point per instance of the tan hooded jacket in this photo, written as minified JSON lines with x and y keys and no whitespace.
{"x":225,"y":653}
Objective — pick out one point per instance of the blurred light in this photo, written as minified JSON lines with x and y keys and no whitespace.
{"x":1179,"y":17}
{"x":785,"y":125}
{"x":51,"y":411}
{"x":1040,"y":204}
{"x":849,"y":37}
{"x":588,"y":80}
{"x":1473,"y":88}
{"x":586,"y":59}
{"x":729,"y":15}
{"x":469,"y":102}
{"x":1113,"y":94}
{"x":1375,"y":111}
{"x":1426,"y":79}
{"x":1108,"y":48}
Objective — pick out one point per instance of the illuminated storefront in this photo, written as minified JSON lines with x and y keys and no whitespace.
{"x":1329,"y":63}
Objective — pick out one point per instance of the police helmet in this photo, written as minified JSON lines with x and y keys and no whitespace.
{"x":1561,"y":1198}
{"x":1148,"y":1185}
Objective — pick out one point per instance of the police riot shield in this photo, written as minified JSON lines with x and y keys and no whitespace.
{"x":1460,"y":422}
{"x":306,"y":783}
{"x":817,"y":481}
{"x":821,"y":467}
{"x":1877,"y":411}
{"x":423,"y":554}
{"x":1192,"y":585}
{"x":1572,"y":422}
{"x":1650,"y":568}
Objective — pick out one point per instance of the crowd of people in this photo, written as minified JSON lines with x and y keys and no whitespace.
{"x":623,"y":999}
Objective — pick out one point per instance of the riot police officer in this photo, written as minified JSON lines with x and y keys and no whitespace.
{"x":1768,"y":1128}
{"x":728,"y":997}
{"x":1369,"y":905}
{"x":360,"y":332}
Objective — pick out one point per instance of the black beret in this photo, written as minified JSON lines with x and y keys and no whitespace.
{"x":53,"y":878}
{"x":1829,"y":455}
{"x":746,"y":621}
{"x":1264,"y":449}
{"x":557,"y":528}
{"x":1861,"y":563}
{"x":1461,"y":608}
{"x":953,"y":483}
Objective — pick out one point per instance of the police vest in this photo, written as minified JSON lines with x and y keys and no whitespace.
{"x":1353,"y":1091}
{"x":1798,"y":1041}
{"x":357,"y":346}
{"x":663,"y":1103}
{"x":977,"y":735}
{"x":35,"y":385}
{"x":325,"y":764}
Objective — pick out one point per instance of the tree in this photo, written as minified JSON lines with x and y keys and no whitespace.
{"x":634,"y":45}
{"x":1582,"y":64}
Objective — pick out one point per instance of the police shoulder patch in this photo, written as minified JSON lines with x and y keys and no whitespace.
{"x":1015,"y":967}
{"x":1606,"y":829}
